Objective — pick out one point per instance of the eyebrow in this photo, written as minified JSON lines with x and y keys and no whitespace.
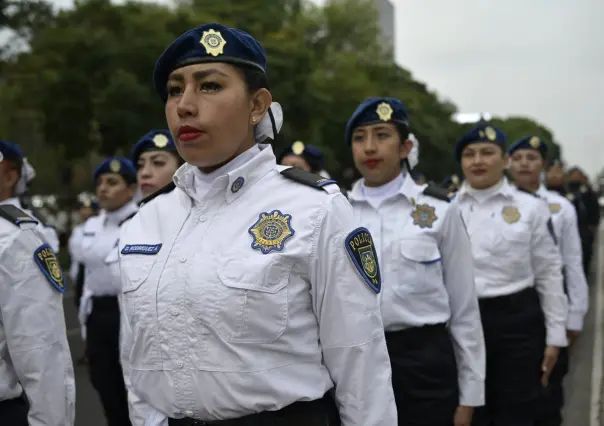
{"x":197,"y":75}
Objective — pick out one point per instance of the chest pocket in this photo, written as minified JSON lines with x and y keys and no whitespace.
{"x":511,"y":240}
{"x":253,"y":306}
{"x":135,"y":271}
{"x":420,"y":267}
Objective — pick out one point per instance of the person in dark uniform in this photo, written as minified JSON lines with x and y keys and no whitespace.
{"x":588,"y":211}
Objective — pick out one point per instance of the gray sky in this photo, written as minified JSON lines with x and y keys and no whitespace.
{"x":540,"y":58}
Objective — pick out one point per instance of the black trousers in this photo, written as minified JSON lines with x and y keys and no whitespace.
{"x":552,"y":397}
{"x":588,"y":251}
{"x":320,"y":412}
{"x":514,"y":331}
{"x":14,"y":411}
{"x":102,"y":338}
{"x":424,"y":375}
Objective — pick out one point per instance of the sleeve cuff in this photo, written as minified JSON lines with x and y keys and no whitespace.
{"x":556,"y":337}
{"x":574,"y":321}
{"x":471,"y":393}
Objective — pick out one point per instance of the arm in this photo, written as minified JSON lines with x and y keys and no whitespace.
{"x":547,"y":268}
{"x":465,"y":324}
{"x":350,"y":325}
{"x":32,"y":313}
{"x":570,"y":247}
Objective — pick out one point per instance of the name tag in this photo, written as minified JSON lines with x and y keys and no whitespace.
{"x":141,"y":249}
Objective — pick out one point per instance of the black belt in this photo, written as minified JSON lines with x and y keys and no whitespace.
{"x":292,"y":411}
{"x":105,"y":302}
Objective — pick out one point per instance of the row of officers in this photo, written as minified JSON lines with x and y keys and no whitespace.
{"x":243,"y":292}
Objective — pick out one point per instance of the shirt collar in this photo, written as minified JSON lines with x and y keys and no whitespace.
{"x":505,"y":189}
{"x":234,"y":178}
{"x":542,"y":191}
{"x":408,"y":189}
{"x":14,"y":201}
{"x":117,"y":216}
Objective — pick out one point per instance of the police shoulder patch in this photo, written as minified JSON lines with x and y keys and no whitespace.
{"x":47,"y":261}
{"x":438,"y":193}
{"x":16,"y":216}
{"x":360,"y":248}
{"x":306,"y":178}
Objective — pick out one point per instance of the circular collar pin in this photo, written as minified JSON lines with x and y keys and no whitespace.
{"x":236,"y":186}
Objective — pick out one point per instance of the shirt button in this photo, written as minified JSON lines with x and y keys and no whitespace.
{"x":183,"y":259}
{"x":202,"y":218}
{"x":174,"y":312}
{"x":189,"y":413}
{"x":180,"y":364}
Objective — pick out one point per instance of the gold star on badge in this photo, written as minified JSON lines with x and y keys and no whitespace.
{"x":298,"y":147}
{"x":160,"y":140}
{"x":115,"y":166}
{"x":491,"y":133}
{"x":384,"y":111}
{"x":213,"y":42}
{"x":535,"y":142}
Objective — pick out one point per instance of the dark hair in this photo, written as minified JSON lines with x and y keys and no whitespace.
{"x":254,"y":78}
{"x":403,"y":131}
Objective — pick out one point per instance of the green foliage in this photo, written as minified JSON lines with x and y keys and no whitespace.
{"x":84,"y":86}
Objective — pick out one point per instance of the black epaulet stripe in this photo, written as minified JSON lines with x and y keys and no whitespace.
{"x":16,"y":216}
{"x":528,"y":192}
{"x":306,"y":178}
{"x":438,"y":193}
{"x":168,"y":188}
{"x":127,"y":219}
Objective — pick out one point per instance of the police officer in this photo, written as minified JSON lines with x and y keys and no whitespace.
{"x":37,"y":386}
{"x":115,"y":179}
{"x":428,"y":303}
{"x":249,"y":290}
{"x":518,"y":275}
{"x":306,"y":157}
{"x":527,"y":158}
{"x":588,"y":210}
{"x":15,"y":174}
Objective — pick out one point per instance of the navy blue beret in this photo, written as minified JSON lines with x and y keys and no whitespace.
{"x":118,"y":165}
{"x":208,"y":43}
{"x":10,"y":151}
{"x":555,"y":163}
{"x":310,"y":153}
{"x":376,"y":110}
{"x":155,"y":140}
{"x":483,"y":132}
{"x":529,"y":142}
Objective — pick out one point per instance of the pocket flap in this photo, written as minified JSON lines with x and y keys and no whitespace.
{"x":136,"y":270}
{"x":420,"y":250}
{"x":245,"y":275}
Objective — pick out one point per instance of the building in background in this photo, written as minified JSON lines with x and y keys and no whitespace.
{"x":385,"y":9}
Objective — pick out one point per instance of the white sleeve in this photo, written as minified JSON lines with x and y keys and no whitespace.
{"x":34,"y":322}
{"x":547,"y":267}
{"x":465,"y":324}
{"x":350,"y":324}
{"x":576,"y":283}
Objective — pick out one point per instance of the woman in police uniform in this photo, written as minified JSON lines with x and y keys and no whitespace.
{"x":517,"y":269}
{"x":244,"y":287}
{"x":428,"y":303}
{"x":115,"y":180}
{"x":306,"y":157}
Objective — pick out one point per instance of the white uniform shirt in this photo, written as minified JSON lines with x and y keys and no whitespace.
{"x":34,"y":354}
{"x":100,"y":236}
{"x":426,"y":262}
{"x":217,"y":329}
{"x":514,"y":250}
{"x":564,"y":218}
{"x":48,"y":233}
{"x":74,"y":246}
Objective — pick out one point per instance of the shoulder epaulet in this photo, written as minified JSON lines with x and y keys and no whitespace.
{"x":127,"y":219}
{"x":438,"y":193}
{"x":534,"y":194}
{"x":16,"y":216}
{"x":168,"y":188}
{"x":306,"y":178}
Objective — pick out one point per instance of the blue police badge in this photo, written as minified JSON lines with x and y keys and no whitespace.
{"x":360,"y":248}
{"x":47,"y":261}
{"x":271,"y":231}
{"x":236,"y":186}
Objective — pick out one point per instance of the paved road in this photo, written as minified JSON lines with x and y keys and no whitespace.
{"x":583,"y":383}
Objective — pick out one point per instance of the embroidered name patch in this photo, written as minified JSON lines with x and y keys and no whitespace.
{"x":141,"y":249}
{"x":271,"y":231}
{"x":360,"y":248}
{"x":47,"y":261}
